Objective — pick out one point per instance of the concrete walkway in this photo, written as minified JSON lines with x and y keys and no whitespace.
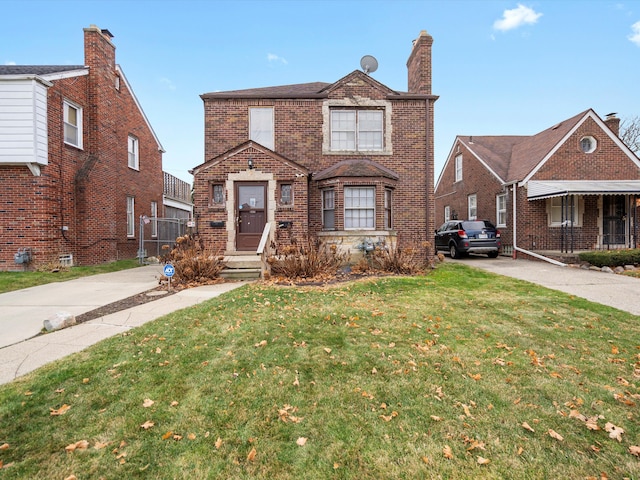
{"x":23,"y":312}
{"x":618,"y":291}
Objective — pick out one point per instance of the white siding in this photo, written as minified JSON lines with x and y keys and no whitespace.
{"x":23,"y":122}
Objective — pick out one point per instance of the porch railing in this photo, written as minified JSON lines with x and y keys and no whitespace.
{"x":578,"y":241}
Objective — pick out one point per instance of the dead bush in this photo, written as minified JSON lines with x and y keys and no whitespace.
{"x":393,"y":258}
{"x":307,"y":258}
{"x":194,"y":262}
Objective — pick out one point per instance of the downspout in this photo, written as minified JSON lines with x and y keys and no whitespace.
{"x":527,"y":252}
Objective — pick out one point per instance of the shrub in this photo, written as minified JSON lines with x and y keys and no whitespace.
{"x":393,"y":258}
{"x":611,"y":258}
{"x":306,"y":258}
{"x":194,"y":262}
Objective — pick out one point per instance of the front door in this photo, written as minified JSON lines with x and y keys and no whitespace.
{"x":251,"y":214}
{"x":613,"y":224}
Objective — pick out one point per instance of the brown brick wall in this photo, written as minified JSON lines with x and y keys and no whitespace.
{"x":83,"y":189}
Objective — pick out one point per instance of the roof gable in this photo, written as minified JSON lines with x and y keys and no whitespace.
{"x":249,"y":145}
{"x":361,"y":79}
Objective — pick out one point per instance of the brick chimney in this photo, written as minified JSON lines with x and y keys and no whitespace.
{"x":419,"y":64}
{"x":613,"y":123}
{"x":99,"y":51}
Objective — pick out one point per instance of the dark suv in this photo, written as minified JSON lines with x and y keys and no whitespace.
{"x":459,"y":237}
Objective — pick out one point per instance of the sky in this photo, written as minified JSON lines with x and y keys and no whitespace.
{"x":500,"y":67}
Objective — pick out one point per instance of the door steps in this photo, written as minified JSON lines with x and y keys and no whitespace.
{"x":241,"y":266}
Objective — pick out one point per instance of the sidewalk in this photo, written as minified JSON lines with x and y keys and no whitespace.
{"x":23,"y":312}
{"x":617,"y":291}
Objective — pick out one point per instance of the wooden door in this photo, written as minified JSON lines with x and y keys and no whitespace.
{"x":251,"y":214}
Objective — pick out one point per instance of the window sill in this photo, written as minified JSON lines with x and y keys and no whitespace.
{"x":77,"y":147}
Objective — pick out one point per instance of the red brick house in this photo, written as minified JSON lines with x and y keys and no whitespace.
{"x":349,"y":161}
{"x":572,"y":187}
{"x":79,"y":161}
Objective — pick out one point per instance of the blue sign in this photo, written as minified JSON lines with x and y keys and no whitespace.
{"x":169,"y":270}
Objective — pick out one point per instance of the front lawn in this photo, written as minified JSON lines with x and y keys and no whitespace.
{"x":459,"y":374}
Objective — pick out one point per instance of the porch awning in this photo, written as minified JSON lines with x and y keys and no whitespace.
{"x":537,"y":190}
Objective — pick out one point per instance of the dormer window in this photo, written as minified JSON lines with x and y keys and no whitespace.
{"x":588,"y":144}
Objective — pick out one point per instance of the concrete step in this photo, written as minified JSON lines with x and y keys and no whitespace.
{"x":243,"y":261}
{"x":241,"y":273}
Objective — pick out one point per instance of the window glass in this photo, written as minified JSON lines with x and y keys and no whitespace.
{"x":154,"y":219}
{"x":570,"y":212}
{"x":217,"y":194}
{"x":472,"y":204}
{"x":370,"y":130}
{"x":458,"y":168}
{"x":72,"y":119}
{"x":328,"y":209}
{"x":261,"y":126}
{"x":447,"y":213}
{"x":357,"y":130}
{"x":501,"y":210}
{"x":133,"y":161}
{"x":286,"y":194}
{"x":359,"y":207}
{"x":388,"y":224}
{"x":131,"y":226}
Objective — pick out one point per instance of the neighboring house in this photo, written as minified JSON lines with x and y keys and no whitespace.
{"x":349,"y":162}
{"x":572,"y":187}
{"x":79,"y":161}
{"x":176,"y":198}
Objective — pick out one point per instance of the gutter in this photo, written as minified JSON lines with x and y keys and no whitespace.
{"x":515,"y":246}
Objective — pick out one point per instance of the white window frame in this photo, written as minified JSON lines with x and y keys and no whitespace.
{"x":261,"y":126}
{"x":131,"y":209}
{"x":363,"y":205}
{"x":154,"y":219}
{"x":328,"y":205}
{"x":501,"y":210}
{"x":472,"y":207}
{"x":447,"y":213}
{"x":357,"y":130}
{"x":133,"y":153}
{"x":458,"y":166}
{"x":554,"y":210}
{"x":69,"y":126}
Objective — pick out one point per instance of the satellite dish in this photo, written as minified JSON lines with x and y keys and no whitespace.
{"x":369,"y":64}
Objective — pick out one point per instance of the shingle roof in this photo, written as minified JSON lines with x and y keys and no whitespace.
{"x":512,"y":158}
{"x":37,"y":69}
{"x":300,"y":90}
{"x":356,"y":168}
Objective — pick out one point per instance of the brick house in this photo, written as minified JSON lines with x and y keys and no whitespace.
{"x":572,"y":187}
{"x":79,"y":161}
{"x":350,"y":162}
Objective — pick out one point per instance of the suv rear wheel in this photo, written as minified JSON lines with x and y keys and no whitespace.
{"x":453,"y":251}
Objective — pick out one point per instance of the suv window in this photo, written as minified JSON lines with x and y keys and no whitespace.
{"x":475,"y":225}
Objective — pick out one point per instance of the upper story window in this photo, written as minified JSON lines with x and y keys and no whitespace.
{"x":472,"y":204}
{"x":588,"y":144}
{"x":359,"y":207}
{"x":458,"y":168}
{"x":134,"y":161}
{"x":357,"y":130}
{"x":72,"y":118}
{"x":261,"y":126}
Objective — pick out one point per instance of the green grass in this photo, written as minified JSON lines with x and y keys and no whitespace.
{"x":17,"y":280}
{"x":380,"y":376}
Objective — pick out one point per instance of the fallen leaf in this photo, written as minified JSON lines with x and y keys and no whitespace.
{"x":327,"y":350}
{"x":100,"y":445}
{"x":483,"y":461}
{"x":167,"y":435}
{"x":60,"y":390}
{"x":173,"y":404}
{"x":218,"y":443}
{"x":556,"y":435}
{"x":435,"y":418}
{"x":301,"y":441}
{"x":634,"y":450}
{"x":614,"y":350}
{"x":262,"y":343}
{"x":85,"y":380}
{"x":79,"y":445}
{"x":526,"y":426}
{"x":70,"y":477}
{"x":446,"y":451}
{"x":147,"y":403}
{"x":61,"y":411}
{"x":147,"y":425}
{"x":252,"y":455}
{"x":425,"y":459}
{"x":555,"y":375}
{"x":520,"y":451}
{"x":4,"y":446}
{"x":191,"y":436}
{"x":177,"y":437}
{"x":614,"y":432}
{"x":476,"y":377}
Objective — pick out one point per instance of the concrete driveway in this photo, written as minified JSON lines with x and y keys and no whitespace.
{"x":618,"y":291}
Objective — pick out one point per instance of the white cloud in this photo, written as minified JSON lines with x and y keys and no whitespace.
{"x":10,"y":62}
{"x":635,"y":36}
{"x":272,"y":57}
{"x":168,"y":84}
{"x":516,"y":17}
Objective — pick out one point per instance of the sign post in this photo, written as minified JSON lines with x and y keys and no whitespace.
{"x":169,"y":271}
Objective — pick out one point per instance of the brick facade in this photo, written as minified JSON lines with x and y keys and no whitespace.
{"x":84,"y":189}
{"x":301,"y":151}
{"x":504,"y":165}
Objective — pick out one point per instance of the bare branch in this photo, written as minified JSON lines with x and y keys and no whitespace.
{"x":630,"y":133}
